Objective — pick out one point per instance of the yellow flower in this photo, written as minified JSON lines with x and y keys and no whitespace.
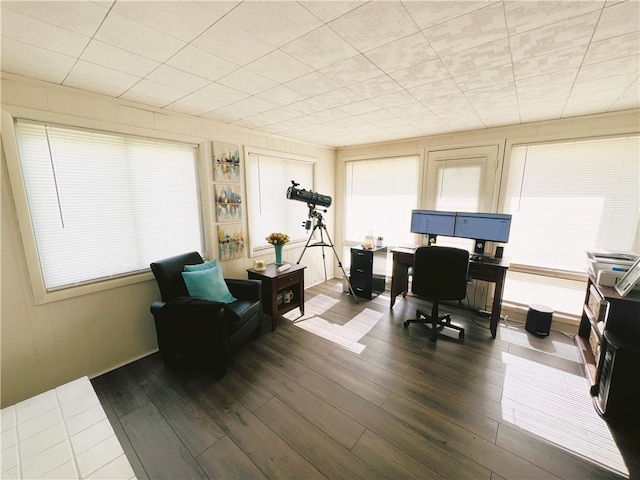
{"x":277,"y":238}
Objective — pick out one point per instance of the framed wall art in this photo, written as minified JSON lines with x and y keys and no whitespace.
{"x":230,"y":241}
{"x":226,"y":162}
{"x":228,"y":203}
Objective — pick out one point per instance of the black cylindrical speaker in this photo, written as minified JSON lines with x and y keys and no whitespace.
{"x":539,"y":320}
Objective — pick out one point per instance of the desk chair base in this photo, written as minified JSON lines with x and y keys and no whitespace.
{"x":441,"y":322}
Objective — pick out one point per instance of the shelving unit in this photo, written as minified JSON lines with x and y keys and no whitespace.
{"x":607,"y":316}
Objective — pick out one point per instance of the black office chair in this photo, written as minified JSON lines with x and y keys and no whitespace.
{"x":439,"y":273}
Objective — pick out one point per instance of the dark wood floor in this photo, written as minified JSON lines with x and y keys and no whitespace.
{"x":294,"y":405}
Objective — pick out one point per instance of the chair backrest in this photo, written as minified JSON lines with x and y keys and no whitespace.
{"x":440,"y":273}
{"x":168,"y":273}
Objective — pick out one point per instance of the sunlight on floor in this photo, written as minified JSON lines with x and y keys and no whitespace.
{"x":572,"y":410}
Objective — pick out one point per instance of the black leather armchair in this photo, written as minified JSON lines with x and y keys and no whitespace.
{"x":200,"y":333}
{"x":439,"y":273}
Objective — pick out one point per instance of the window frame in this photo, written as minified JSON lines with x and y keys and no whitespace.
{"x":19,"y":194}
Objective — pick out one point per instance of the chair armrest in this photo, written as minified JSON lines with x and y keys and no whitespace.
{"x":245,"y":289}
{"x":156,"y":306}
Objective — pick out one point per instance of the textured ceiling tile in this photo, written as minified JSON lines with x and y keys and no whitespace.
{"x":404,"y":53}
{"x":438,"y":88}
{"x":79,"y":17}
{"x":551,"y":86}
{"x":529,"y":15}
{"x":327,"y":11}
{"x":89,"y":76}
{"x":428,"y":14}
{"x":221,"y":94}
{"x":618,"y":82}
{"x":374,"y":24}
{"x":281,"y":95}
{"x":184,"y":20}
{"x":135,"y":37}
{"x":249,"y":106}
{"x":393,"y":99}
{"x":35,"y":62}
{"x":312,"y":84}
{"x":197,"y":61}
{"x":352,"y":70}
{"x":485,"y":78}
{"x":247,"y":81}
{"x":559,"y":36}
{"x":173,"y":77}
{"x":226,"y":41}
{"x":570,"y":58}
{"x":376,"y":86}
{"x":475,"y":28}
{"x":116,"y":58}
{"x":320,"y":48}
{"x":152,"y":93}
{"x":17,"y":26}
{"x":610,"y":68}
{"x":335,"y":98}
{"x":277,"y":23}
{"x":279,"y":67}
{"x":359,"y":107}
{"x":481,"y":57}
{"x":618,"y":19}
{"x":627,"y":45}
{"x":193,"y":104}
{"x":432,"y":71}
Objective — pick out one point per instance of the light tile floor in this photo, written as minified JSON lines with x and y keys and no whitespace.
{"x":61,"y":434}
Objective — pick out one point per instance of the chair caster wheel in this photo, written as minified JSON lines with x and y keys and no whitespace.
{"x":405,"y":324}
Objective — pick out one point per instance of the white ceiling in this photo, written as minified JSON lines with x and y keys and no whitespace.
{"x":338,"y":72}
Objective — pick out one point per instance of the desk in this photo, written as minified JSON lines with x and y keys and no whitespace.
{"x":487,"y":271}
{"x":274,"y":284}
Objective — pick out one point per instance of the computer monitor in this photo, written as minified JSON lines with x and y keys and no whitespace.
{"x":433,"y":223}
{"x":483,"y":227}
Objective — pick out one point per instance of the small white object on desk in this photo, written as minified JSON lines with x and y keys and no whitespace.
{"x":283,"y":267}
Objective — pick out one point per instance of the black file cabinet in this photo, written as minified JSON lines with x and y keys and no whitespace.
{"x":368,"y":268}
{"x":619,"y":393}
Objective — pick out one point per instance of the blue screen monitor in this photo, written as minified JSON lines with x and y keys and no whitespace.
{"x":483,"y":227}
{"x":433,"y":223}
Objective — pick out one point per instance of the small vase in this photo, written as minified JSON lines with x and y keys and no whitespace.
{"x":278,"y":254}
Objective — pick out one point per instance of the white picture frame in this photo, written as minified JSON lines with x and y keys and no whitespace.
{"x":628,"y":281}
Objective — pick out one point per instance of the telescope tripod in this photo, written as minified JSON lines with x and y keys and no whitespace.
{"x":319,"y":225}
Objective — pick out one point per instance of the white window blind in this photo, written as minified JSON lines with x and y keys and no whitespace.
{"x":380,"y":195}
{"x":566,"y":196}
{"x":268,"y":178}
{"x":455,"y":185}
{"x":105,"y":205}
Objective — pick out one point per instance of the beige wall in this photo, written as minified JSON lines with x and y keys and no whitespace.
{"x":46,"y":345}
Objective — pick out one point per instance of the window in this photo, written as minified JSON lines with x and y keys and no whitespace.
{"x":379,"y":197}
{"x":457,"y":182}
{"x":269,"y":175}
{"x":567,"y":196}
{"x":105,"y":205}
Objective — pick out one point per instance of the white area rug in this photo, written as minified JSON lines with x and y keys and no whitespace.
{"x":346,"y":335}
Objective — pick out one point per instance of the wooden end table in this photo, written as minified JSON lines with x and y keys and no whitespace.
{"x":274,"y":286}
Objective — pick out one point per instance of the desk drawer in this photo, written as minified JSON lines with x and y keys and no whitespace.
{"x":482,"y":271}
{"x":288,"y":280}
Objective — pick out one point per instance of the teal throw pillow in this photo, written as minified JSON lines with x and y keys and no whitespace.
{"x":208,"y":284}
{"x":201,"y":266}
